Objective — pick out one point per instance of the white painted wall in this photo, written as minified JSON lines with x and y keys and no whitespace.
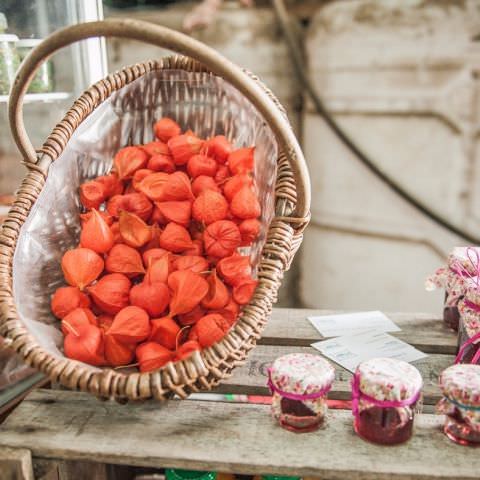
{"x":399,"y":77}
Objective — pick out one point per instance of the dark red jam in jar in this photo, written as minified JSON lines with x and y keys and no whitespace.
{"x":299,"y":384}
{"x":385,"y":392}
{"x":460,"y":404}
{"x":451,"y":315}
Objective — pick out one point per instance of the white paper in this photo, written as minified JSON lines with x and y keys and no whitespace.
{"x":350,"y":350}
{"x":352,"y":323}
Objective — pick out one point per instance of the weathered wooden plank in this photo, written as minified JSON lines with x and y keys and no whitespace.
{"x":289,"y":326}
{"x":15,"y":464}
{"x":224,"y":437}
{"x":251,"y":378}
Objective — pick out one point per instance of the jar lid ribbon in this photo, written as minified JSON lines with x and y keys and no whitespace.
{"x":461,"y":405}
{"x":296,"y":396}
{"x":470,"y":341}
{"x":358,"y":395}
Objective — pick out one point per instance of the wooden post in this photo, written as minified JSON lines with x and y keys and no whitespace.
{"x":15,"y":464}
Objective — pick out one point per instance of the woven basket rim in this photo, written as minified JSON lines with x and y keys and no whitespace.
{"x":201,"y":371}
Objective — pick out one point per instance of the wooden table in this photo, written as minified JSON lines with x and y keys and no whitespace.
{"x":72,"y":430}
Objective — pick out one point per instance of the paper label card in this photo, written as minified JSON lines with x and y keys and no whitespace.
{"x":350,"y":350}
{"x":352,"y":323}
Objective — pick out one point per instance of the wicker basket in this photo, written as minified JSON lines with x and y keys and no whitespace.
{"x":24,"y":310}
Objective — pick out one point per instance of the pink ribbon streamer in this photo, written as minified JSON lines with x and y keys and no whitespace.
{"x":296,"y":396}
{"x":358,"y":395}
{"x":472,"y":305}
{"x":470,"y":341}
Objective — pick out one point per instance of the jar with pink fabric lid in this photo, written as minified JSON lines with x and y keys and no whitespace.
{"x":462,"y":264}
{"x":385,"y":394}
{"x":460,"y":385}
{"x":299,"y":384}
{"x":469,"y":331}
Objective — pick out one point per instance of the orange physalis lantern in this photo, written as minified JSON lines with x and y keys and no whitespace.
{"x":217,"y":296}
{"x":203,"y":183}
{"x":77,"y":317}
{"x":245,"y":204}
{"x":92,"y":194}
{"x":241,"y":160}
{"x":130,"y":325}
{"x":235,"y":183}
{"x":81,"y":266}
{"x":221,"y":238}
{"x":165,"y":331}
{"x":188,"y":289}
{"x":201,"y":165}
{"x":66,"y":299}
{"x":208,"y":330}
{"x":219,"y":148}
{"x":118,"y":353}
{"x":124,"y":259}
{"x":152,"y":356}
{"x":243,"y":291}
{"x":175,"y":238}
{"x":85,"y":344}
{"x":166,"y":128}
{"x":183,"y":147}
{"x":195,"y":263}
{"x":179,"y":212}
{"x":96,"y":234}
{"x":186,"y":350}
{"x":161,"y":163}
{"x":111,"y":292}
{"x":234,"y":268}
{"x":152,"y":297}
{"x":134,"y":231}
{"x":111,"y":184}
{"x":209,"y":207}
{"x":249,"y":230}
{"x":128,"y":160}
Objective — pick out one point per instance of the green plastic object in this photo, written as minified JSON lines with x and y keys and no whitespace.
{"x":3,"y":23}
{"x":172,"y":474}
{"x":276,"y":477}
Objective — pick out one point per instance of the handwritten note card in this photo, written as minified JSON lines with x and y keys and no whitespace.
{"x":349,"y":350}
{"x":351,"y":323}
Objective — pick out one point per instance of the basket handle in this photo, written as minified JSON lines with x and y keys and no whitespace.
{"x":180,"y":43}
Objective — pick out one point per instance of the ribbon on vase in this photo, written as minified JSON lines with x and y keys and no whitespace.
{"x":458,"y":268}
{"x":296,"y":396}
{"x":358,"y":395}
{"x":471,"y":341}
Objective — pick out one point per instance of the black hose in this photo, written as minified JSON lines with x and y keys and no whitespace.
{"x":298,"y":62}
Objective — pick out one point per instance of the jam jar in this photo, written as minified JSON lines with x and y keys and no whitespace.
{"x":469,"y":332}
{"x":299,"y":384}
{"x":385,"y":393}
{"x":460,"y":385}
{"x":462,"y":265}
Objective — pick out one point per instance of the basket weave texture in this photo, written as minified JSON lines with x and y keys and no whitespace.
{"x":203,"y":370}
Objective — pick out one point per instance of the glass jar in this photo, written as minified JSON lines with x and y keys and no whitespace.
{"x":385,"y":393}
{"x":299,"y":384}
{"x":43,"y":80}
{"x":460,"y":385}
{"x":469,"y":331}
{"x":177,"y":474}
{"x":451,"y":315}
{"x":9,"y":62}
